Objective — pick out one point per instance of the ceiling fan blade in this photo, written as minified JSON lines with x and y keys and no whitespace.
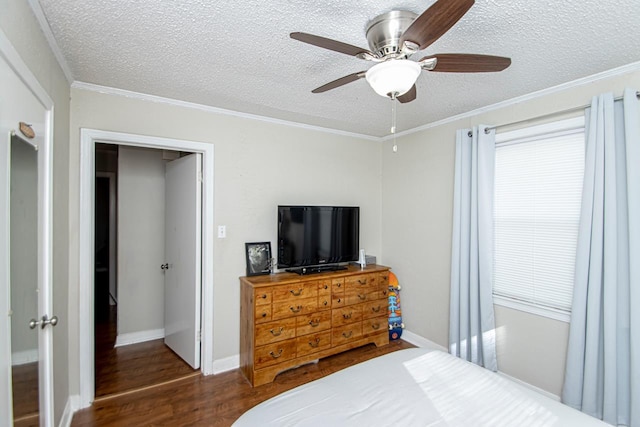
{"x":468,"y":63}
{"x":408,"y":96}
{"x":339,"y":82}
{"x":435,"y":21}
{"x":330,"y":44}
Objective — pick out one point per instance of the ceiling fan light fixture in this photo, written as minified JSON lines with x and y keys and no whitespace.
{"x":394,"y":77}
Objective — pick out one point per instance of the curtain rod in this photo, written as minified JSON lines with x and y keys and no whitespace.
{"x":556,"y":113}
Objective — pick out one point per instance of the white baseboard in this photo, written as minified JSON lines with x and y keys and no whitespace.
{"x":226,"y":364}
{"x":24,"y":357}
{"x":137,"y":337}
{"x":73,"y":404}
{"x":420,"y":341}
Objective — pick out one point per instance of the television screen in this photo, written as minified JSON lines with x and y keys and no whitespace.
{"x":317,"y":235}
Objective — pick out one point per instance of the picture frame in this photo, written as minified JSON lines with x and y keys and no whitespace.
{"x":258,"y":258}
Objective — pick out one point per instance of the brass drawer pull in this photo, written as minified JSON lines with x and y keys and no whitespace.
{"x":375,"y":309}
{"x":296,"y":294}
{"x":275,"y":356}
{"x":326,"y":286}
{"x":264,"y":314}
{"x":385,"y":277}
{"x":375,"y":326}
{"x":314,"y":322}
{"x":347,"y":334}
{"x":277,"y":333}
{"x":297,"y":309}
{"x":339,"y":285}
{"x":362,"y":297}
{"x":315,"y":343}
{"x":362,"y":281}
{"x":264,"y":296}
{"x":347,"y":316}
{"x":325,"y":302}
{"x":384,"y":293}
{"x":339,"y":300}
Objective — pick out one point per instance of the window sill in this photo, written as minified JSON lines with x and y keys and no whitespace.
{"x":537,"y":310}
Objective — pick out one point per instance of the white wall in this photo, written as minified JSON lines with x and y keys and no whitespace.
{"x":258,"y":165}
{"x":417,"y":189}
{"x":140,"y":240}
{"x":19,"y":25}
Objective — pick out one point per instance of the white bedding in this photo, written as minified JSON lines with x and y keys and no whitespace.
{"x":414,"y":387}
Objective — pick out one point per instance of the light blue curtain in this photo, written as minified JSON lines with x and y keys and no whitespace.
{"x":472,"y":323}
{"x":602,"y":375}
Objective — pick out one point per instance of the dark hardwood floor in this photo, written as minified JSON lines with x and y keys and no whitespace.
{"x":131,"y":367}
{"x":215,"y":400}
{"x":25,"y":394}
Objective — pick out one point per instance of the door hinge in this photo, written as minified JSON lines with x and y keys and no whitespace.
{"x":199,"y":336}
{"x":200,"y":177}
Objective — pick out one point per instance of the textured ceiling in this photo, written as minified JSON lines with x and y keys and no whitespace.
{"x":237,"y":55}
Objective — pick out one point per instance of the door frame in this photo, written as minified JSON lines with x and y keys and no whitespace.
{"x":88,"y":139}
{"x":45,"y":221}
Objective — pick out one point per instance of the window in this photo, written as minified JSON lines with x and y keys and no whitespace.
{"x":538,"y":191}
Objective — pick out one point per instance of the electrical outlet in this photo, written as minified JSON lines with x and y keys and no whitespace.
{"x":222,"y":231}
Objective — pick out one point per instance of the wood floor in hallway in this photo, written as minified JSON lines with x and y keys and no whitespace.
{"x":215,"y":400}
{"x":131,"y":367}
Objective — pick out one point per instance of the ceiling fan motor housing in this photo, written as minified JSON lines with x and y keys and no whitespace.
{"x":384,"y":31}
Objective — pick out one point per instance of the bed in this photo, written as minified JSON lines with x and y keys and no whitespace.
{"x":414,"y":387}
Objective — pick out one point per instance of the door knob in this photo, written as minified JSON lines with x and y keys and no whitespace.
{"x":164,"y":266}
{"x":43,"y":322}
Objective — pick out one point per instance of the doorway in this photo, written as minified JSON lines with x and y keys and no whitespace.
{"x":89,"y":139}
{"x":138,"y":313}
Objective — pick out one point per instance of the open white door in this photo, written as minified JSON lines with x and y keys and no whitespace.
{"x":183,"y":248}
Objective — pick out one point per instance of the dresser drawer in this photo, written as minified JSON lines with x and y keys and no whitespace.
{"x":357,"y":296}
{"x":275,"y":353}
{"x":361,"y":284}
{"x":344,"y":334}
{"x":383,"y":279}
{"x":313,"y":343}
{"x":312,"y":323}
{"x":262,"y":296}
{"x":295,"y":291}
{"x":294,"y":307}
{"x":343,"y":316}
{"x":262,"y":313}
{"x":375,"y":308}
{"x":279,"y":330}
{"x":375,"y":325}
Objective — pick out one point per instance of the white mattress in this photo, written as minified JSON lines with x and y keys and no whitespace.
{"x":414,"y":387}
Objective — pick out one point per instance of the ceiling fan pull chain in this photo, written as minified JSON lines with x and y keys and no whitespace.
{"x":394,"y":101}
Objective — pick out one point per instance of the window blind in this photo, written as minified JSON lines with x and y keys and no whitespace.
{"x":538,"y":191}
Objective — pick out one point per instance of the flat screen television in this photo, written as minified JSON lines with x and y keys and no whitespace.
{"x":311,"y":236}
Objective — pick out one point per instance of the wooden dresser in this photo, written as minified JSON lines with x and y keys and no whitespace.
{"x":287,"y":320}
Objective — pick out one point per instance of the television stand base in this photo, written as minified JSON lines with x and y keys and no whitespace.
{"x":317,"y":269}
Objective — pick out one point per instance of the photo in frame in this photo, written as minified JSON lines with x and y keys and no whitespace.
{"x":258,"y":258}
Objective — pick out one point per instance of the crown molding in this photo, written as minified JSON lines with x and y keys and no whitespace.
{"x":634,"y":66}
{"x":53,"y":44}
{"x":215,"y":110}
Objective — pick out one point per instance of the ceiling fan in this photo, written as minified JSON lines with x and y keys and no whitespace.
{"x":394,"y":37}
